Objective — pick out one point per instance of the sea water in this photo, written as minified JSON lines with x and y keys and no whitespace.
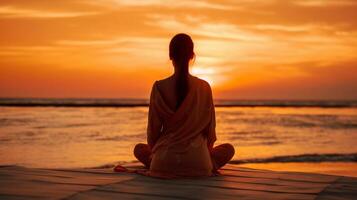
{"x":67,"y":137}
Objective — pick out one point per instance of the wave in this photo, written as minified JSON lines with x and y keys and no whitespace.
{"x":113,"y":164}
{"x":304,"y":158}
{"x":309,"y":158}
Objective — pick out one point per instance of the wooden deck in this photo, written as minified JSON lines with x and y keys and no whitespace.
{"x":235,"y":183}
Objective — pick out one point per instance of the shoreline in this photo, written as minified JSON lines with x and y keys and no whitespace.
{"x":146,"y":105}
{"x":347,"y":169}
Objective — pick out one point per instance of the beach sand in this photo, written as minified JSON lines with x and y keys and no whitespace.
{"x":235,"y":182}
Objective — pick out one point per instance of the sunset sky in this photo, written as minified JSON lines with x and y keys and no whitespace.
{"x":246,"y":49}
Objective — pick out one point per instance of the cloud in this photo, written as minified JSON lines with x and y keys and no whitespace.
{"x":164,"y":3}
{"x":199,"y":26}
{"x":314,"y":3}
{"x":285,"y":28}
{"x":94,"y":43}
{"x":15,"y":12}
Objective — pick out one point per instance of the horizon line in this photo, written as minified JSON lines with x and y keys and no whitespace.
{"x":142,"y":98}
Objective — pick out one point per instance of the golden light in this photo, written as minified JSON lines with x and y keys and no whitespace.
{"x":69,"y":45}
{"x":206,"y":74}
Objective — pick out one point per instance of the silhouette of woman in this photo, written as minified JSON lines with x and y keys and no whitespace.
{"x":181,"y":122}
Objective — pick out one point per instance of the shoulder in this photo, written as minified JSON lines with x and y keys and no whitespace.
{"x":163,"y":84}
{"x":163,"y":81}
{"x":202,"y":83}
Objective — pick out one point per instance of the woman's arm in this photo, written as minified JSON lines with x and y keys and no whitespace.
{"x":154,"y":122}
{"x":211,"y":129}
{"x":211,"y":132}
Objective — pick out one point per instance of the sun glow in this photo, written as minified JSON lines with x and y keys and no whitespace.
{"x":206,"y":74}
{"x":118,"y":48}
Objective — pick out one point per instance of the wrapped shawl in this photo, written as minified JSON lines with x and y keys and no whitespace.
{"x":181,"y":139}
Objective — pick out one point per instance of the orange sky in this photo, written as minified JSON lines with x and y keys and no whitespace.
{"x":247,"y":49}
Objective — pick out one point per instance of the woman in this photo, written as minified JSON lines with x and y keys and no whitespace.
{"x":181,"y":123}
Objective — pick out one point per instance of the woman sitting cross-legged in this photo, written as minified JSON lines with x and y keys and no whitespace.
{"x":181,"y":122}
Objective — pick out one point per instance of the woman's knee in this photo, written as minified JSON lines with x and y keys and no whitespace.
{"x":222,"y":154}
{"x":229,"y":149}
{"x":141,"y":149}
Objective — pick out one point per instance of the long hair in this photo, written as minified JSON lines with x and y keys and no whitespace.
{"x":181,"y":52}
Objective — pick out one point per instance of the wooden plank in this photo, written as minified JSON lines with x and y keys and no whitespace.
{"x":343,"y":188}
{"x":30,"y":188}
{"x":190,"y":189}
{"x":315,"y":178}
{"x":23,"y":182}
{"x":85,"y":177}
{"x":265,"y":181}
{"x":20,"y":197}
{"x":236,"y":182}
{"x":105,"y":195}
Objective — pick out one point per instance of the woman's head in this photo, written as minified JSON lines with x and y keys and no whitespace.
{"x":181,"y":50}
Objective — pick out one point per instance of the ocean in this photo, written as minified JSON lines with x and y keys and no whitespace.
{"x":71,"y":133}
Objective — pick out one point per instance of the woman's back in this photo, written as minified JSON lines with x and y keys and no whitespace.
{"x":179,"y":138}
{"x":167,"y":88}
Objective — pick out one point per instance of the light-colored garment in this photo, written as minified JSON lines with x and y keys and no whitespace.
{"x":180,"y":140}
